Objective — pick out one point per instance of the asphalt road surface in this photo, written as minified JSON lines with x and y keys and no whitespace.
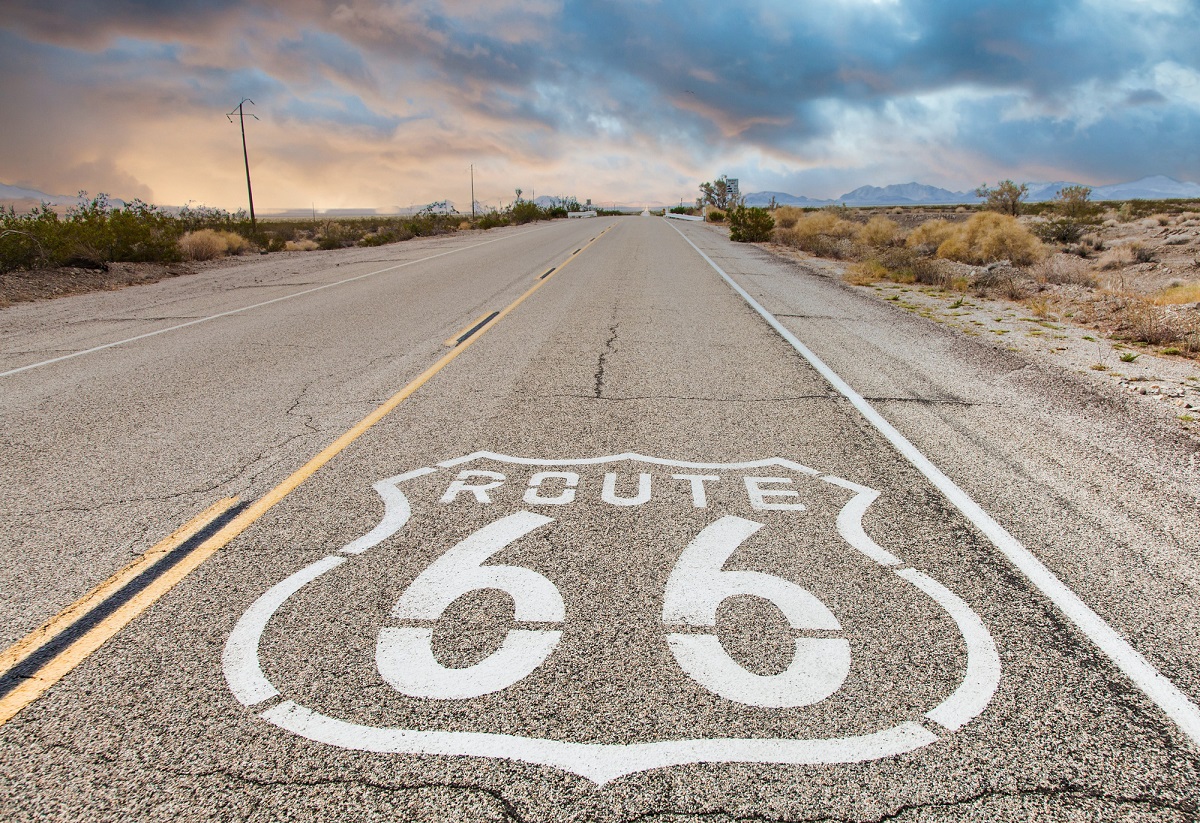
{"x":639,"y":524}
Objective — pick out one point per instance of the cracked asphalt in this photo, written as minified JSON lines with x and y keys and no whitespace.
{"x":675,"y":617}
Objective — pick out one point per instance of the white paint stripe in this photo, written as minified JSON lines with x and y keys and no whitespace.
{"x":396,"y":511}
{"x":849,"y":522}
{"x":598,"y":762}
{"x":1152,"y":683}
{"x":243,"y":672}
{"x":983,"y":662}
{"x":614,"y":458}
{"x":255,"y":305}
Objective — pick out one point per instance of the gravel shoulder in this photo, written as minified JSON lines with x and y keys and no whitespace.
{"x":1167,"y":386}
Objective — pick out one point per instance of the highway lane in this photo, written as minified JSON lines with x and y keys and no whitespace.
{"x":929,"y":681}
{"x":108,"y":452}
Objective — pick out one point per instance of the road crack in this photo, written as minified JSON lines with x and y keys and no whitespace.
{"x":609,"y":348}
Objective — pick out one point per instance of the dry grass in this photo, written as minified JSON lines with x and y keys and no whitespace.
{"x":786,"y":216}
{"x":879,"y":232}
{"x":1178,"y":294}
{"x":864,"y":274}
{"x":1116,"y":258}
{"x":931,"y":234}
{"x":205,"y":244}
{"x":821,"y":233}
{"x":301,"y":245}
{"x":1039,"y":306}
{"x":989,"y":237}
{"x":235,"y":244}
{"x":1064,"y":270}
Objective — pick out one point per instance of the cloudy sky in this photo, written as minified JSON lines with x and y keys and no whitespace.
{"x":384,"y":103}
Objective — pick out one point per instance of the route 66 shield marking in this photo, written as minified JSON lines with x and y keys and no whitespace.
{"x":583,"y":612}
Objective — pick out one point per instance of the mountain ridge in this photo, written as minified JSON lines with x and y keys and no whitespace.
{"x":1154,"y":187}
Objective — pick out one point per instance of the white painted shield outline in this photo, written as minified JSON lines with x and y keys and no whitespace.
{"x":603,"y":762}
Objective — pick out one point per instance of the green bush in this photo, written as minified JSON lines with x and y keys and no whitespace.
{"x":92,"y":233}
{"x":750,"y":225}
{"x":1058,"y":230}
{"x":491,"y":220}
{"x":526,"y":211}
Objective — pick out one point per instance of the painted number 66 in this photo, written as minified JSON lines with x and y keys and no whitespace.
{"x":694,"y":591}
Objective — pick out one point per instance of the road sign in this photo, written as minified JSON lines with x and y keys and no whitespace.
{"x":616,"y":614}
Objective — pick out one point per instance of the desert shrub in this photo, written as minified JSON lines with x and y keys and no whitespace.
{"x":1142,"y":253}
{"x":1062,"y":270}
{"x":1178,"y":293}
{"x":235,"y":244}
{"x":716,"y":216}
{"x":930,"y":234}
{"x":866,"y":273}
{"x":786,"y":216}
{"x":988,"y":237}
{"x":879,"y":232}
{"x":526,"y":211}
{"x":750,"y":225}
{"x":822,"y":233}
{"x":910,"y":266}
{"x":491,"y":220}
{"x":1158,"y":325}
{"x":204,"y":244}
{"x":1116,"y":258}
{"x":300,"y":245}
{"x":1004,"y":279}
{"x":1005,"y":198}
{"x":1058,"y":230}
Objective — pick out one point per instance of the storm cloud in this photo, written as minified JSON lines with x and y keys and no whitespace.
{"x":384,"y":104}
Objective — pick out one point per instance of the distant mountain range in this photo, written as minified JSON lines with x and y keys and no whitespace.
{"x":16,"y":194}
{"x":1157,"y":187}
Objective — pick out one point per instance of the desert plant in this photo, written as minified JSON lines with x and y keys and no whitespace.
{"x":879,"y":232}
{"x":716,"y":216}
{"x":1058,"y":230}
{"x":929,"y":235}
{"x":866,"y":273}
{"x":750,"y":225}
{"x":1005,"y":198}
{"x":717,"y":193}
{"x":909,"y":266}
{"x":1062,"y":270}
{"x":1116,"y":258}
{"x":1143,"y":253}
{"x":204,"y":244}
{"x":989,"y":237}
{"x":1178,"y":293}
{"x":786,"y":216}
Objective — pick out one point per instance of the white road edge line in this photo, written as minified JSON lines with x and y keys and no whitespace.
{"x":103,"y":346}
{"x":1161,"y":691}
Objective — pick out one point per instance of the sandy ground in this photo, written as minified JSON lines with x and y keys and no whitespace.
{"x":1169,"y":384}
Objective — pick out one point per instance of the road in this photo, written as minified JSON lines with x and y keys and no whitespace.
{"x":622,"y":521}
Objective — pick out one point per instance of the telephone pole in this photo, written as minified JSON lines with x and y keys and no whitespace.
{"x":472,"y":191}
{"x":246,"y":155}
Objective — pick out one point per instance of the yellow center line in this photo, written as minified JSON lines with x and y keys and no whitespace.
{"x":453,"y":339}
{"x":50,"y":673}
{"x":17,"y":699}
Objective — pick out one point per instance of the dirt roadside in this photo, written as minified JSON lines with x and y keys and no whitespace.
{"x":45,"y":284}
{"x":1170,"y":385}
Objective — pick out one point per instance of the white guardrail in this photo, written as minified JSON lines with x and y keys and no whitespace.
{"x":682,"y":216}
{"x":572,"y":214}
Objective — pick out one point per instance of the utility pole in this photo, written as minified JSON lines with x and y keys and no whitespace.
{"x":246,"y":157}
{"x":472,"y":191}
